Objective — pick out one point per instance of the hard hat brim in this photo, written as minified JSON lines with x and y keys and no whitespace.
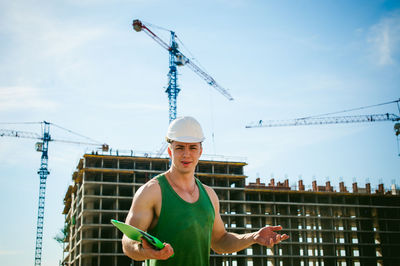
{"x":187,"y":139}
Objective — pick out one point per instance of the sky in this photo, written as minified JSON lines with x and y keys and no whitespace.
{"x":80,"y":65}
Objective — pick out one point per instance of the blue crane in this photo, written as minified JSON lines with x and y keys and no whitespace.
{"x":43,"y":172}
{"x":177,"y":58}
{"x":324,"y":119}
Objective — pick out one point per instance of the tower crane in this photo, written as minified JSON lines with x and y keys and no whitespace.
{"x":177,"y":58}
{"x":43,"y":172}
{"x":326,"y":119}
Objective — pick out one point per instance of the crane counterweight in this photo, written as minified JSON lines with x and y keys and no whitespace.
{"x":137,"y":25}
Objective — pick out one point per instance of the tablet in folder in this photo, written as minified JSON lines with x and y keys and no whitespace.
{"x":137,"y":234}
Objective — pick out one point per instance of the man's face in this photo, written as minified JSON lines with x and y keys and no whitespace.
{"x":185,"y":156}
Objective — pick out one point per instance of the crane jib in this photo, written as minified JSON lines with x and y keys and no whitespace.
{"x":326,"y":120}
{"x":177,"y":59}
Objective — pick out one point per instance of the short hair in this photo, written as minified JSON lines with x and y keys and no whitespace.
{"x":169,"y":141}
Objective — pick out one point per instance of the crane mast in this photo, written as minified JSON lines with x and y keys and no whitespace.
{"x":173,"y":88}
{"x":43,"y":173}
{"x":176,"y":58}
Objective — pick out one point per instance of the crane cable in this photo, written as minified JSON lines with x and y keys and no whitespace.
{"x":19,"y":123}
{"x":191,"y":54}
{"x":176,"y":36}
{"x":211,"y":100}
{"x":60,"y":127}
{"x":354,"y":109}
{"x":398,"y":145}
{"x":154,"y":26}
{"x":72,"y":132}
{"x":212,"y":121}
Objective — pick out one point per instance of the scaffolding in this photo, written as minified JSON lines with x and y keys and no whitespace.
{"x":326,"y":227}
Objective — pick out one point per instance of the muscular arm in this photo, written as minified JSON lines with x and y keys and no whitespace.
{"x":142,"y":215}
{"x":226,"y":242}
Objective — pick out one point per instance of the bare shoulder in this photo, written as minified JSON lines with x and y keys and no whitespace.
{"x":150,"y":186}
{"x":150,"y":190}
{"x":145,"y":206}
{"x":213,"y":196}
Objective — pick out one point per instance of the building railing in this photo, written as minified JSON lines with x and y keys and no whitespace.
{"x":147,"y":154}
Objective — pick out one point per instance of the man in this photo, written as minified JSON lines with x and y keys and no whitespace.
{"x":177,"y":208}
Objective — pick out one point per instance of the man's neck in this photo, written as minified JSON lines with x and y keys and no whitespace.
{"x":185,"y":179}
{"x":184,"y":184}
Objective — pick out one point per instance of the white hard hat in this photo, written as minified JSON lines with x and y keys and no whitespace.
{"x":185,"y":129}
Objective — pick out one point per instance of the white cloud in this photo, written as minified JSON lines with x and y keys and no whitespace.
{"x":38,"y":29}
{"x":69,"y":39}
{"x":9,"y":252}
{"x":14,"y":98}
{"x":233,"y":3}
{"x":134,"y":106}
{"x":385,"y":39}
{"x":103,"y":2}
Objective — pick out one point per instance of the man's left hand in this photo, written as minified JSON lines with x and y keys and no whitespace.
{"x":267,"y":236}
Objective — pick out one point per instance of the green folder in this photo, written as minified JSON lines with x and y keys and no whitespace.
{"x":137,"y":234}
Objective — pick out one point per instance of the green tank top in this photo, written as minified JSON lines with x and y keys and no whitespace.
{"x":186,"y":226}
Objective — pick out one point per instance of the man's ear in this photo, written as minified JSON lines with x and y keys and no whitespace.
{"x":169,"y":150}
{"x":201,"y":149}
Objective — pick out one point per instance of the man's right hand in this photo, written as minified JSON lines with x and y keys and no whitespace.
{"x":148,"y":251}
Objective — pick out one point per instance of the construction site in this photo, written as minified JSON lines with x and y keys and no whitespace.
{"x":328,"y":223}
{"x":327,"y":226}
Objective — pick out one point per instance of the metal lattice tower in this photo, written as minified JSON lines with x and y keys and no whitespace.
{"x":173,"y":88}
{"x":43,"y":173}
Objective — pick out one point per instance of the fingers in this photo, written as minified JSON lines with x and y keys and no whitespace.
{"x":284,"y":237}
{"x":166,"y":252}
{"x":276,"y":240}
{"x":279,"y":238}
{"x":271,"y":243}
{"x":275,"y":228}
{"x":145,"y":243}
{"x":152,"y":253}
{"x":268,"y":237}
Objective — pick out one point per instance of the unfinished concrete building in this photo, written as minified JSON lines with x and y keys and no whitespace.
{"x":326,"y":227}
